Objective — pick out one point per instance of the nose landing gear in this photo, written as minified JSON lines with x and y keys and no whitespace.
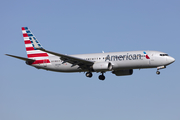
{"x":158,"y":68}
{"x":157,"y":72}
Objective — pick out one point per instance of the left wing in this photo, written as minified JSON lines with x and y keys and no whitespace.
{"x":84,"y":64}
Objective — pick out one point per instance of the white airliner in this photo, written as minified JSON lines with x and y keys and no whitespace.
{"x":119,"y":63}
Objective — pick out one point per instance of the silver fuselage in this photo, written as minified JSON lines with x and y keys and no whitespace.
{"x":119,"y":60}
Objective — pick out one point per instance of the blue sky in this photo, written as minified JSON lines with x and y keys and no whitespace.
{"x":78,"y":27}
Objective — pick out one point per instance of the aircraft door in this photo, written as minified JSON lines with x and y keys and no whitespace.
{"x":151,"y":60}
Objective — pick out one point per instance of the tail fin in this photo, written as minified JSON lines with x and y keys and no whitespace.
{"x":31,"y":44}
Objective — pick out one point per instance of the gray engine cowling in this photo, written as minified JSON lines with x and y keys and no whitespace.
{"x":102,"y":66}
{"x":123,"y":72}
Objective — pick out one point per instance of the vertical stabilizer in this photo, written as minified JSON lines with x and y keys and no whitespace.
{"x":32,"y":47}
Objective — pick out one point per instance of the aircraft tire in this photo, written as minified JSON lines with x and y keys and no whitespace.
{"x":157,"y":72}
{"x":89,"y":74}
{"x":101,"y":77}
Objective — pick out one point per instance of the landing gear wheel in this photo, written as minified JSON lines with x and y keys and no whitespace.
{"x":157,"y":72}
{"x":89,"y":74}
{"x":101,"y":77}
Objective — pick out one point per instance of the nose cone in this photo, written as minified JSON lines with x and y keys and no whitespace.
{"x":170,"y":59}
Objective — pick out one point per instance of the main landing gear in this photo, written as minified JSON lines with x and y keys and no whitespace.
{"x":101,"y":77}
{"x":89,"y":74}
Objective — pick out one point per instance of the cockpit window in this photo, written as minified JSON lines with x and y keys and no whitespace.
{"x":163,"y":54}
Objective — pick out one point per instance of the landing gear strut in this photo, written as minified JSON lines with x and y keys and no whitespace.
{"x":102,"y":77}
{"x":89,"y":74}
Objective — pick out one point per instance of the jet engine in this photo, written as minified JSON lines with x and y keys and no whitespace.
{"x":123,"y":72}
{"x":102,"y":66}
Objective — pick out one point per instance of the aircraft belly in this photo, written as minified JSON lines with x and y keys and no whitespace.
{"x":58,"y":67}
{"x":67,"y":68}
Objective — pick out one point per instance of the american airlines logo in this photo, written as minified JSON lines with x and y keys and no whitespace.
{"x":126,"y":57}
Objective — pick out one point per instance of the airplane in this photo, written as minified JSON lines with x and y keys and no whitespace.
{"x":119,"y":63}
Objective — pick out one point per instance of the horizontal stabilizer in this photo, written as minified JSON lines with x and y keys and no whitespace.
{"x":21,"y":58}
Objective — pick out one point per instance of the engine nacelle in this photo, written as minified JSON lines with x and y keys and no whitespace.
{"x":123,"y":72}
{"x":102,"y":66}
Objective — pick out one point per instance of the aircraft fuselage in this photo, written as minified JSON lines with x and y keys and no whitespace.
{"x":119,"y":60}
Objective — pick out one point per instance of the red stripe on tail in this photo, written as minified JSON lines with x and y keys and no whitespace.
{"x":38,"y":55}
{"x":29,"y":48}
{"x":27,"y":42}
{"x":25,"y":35}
